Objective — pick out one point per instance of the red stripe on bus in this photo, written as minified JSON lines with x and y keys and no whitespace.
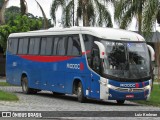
{"x":45,"y":58}
{"x":87,"y":52}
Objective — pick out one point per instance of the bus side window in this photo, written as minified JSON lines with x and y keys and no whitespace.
{"x":36,"y":46}
{"x":10,"y":45}
{"x":70,"y":44}
{"x":88,"y":42}
{"x":25,"y":45}
{"x":95,"y":59}
{"x":13,"y":45}
{"x":20,"y":46}
{"x":43,"y":46}
{"x":74,"y":48}
{"x":61,"y":46}
{"x":31,"y":46}
{"x":49,"y":45}
{"x":55,"y":46}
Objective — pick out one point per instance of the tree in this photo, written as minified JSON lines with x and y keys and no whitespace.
{"x":14,"y":11}
{"x":5,"y":30}
{"x":44,"y":15}
{"x":23,"y":6}
{"x":18,"y":24}
{"x":24,"y":11}
{"x":158,"y":17}
{"x":145,"y":11}
{"x":3,"y":4}
{"x":11,"y":13}
{"x":91,"y":12}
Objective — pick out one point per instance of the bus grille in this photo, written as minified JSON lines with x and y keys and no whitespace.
{"x":130,"y":90}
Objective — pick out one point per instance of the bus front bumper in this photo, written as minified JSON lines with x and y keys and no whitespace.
{"x":118,"y":93}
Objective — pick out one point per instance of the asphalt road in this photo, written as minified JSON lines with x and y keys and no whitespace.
{"x":46,"y":101}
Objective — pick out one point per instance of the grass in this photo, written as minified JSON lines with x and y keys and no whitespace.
{"x":154,"y":98}
{"x":4,"y":84}
{"x":5,"y":96}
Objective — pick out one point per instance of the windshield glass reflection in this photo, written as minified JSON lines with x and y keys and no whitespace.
{"x":126,"y":60}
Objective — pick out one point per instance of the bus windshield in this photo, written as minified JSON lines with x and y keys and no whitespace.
{"x":126,"y":60}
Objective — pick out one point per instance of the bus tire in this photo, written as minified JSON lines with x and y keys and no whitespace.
{"x":25,"y":87}
{"x":80,"y":94}
{"x":120,"y":102}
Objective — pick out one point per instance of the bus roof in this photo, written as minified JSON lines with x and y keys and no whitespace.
{"x":101,"y":32}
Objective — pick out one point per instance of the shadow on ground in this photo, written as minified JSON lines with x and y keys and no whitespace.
{"x":74,"y":98}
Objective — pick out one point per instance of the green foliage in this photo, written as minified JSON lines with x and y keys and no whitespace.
{"x":91,"y":12}
{"x":5,"y":30}
{"x":11,"y":13}
{"x":145,"y":11}
{"x":104,"y":15}
{"x":18,"y":24}
{"x":15,"y":22}
{"x":4,"y":84}
{"x":24,"y":23}
{"x":5,"y":96}
{"x":154,"y":99}
{"x":150,"y":12}
{"x":54,"y":7}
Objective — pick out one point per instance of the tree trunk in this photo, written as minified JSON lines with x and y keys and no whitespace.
{"x":158,"y":17}
{"x":44,"y":16}
{"x":23,"y":6}
{"x":77,"y":21}
{"x":85,"y":14}
{"x":140,"y":17}
{"x":158,"y":61}
{"x":2,"y":11}
{"x":73,"y":12}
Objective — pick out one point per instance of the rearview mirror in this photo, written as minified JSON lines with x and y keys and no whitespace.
{"x":101,"y":49}
{"x":152,"y":53}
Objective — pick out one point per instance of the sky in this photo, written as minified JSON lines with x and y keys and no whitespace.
{"x":46,"y":5}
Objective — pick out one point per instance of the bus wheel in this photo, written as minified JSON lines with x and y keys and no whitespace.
{"x":25,"y":87}
{"x":80,"y":93}
{"x":120,"y":102}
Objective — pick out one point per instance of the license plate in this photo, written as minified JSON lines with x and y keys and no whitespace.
{"x":129,"y":96}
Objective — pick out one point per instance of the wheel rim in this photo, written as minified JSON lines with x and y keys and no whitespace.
{"x":79,"y":90}
{"x":24,"y":86}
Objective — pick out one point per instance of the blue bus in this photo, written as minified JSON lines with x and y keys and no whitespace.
{"x":90,"y":62}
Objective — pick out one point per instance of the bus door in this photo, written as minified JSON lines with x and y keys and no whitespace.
{"x":95,"y":74}
{"x":97,"y":56}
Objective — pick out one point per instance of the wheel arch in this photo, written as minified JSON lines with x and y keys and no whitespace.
{"x":76,"y":80}
{"x":24,"y":74}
